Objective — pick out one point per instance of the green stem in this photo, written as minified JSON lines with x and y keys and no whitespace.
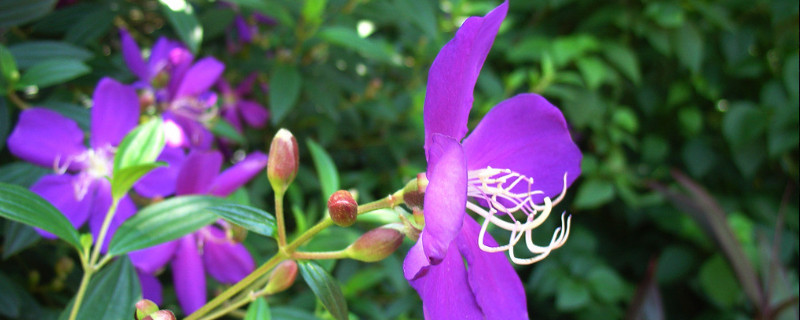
{"x":87,"y":275}
{"x":12,"y":95}
{"x":247,"y":299}
{"x":338,"y":254}
{"x":279,"y":220}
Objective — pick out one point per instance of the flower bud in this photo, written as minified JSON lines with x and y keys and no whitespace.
{"x":145,"y":308}
{"x":161,"y":315}
{"x":282,"y":277}
{"x":343,"y":208}
{"x":376,"y":244}
{"x":284,"y":160}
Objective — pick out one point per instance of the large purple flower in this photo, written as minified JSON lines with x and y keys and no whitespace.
{"x":207,"y":250}
{"x":79,"y":189}
{"x":520,"y":140}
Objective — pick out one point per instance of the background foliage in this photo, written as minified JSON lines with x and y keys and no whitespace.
{"x":686,"y":112}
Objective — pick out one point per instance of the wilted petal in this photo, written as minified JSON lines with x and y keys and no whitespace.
{"x":99,"y":210}
{"x":200,"y":77}
{"x":198,"y":172}
{"x":445,"y":290}
{"x":253,"y":113}
{"x":496,"y":286}
{"x":161,"y":181}
{"x":528,"y":135}
{"x":115,"y":112}
{"x":188,"y":275}
{"x":452,"y":77}
{"x":132,"y":55}
{"x":151,"y":288}
{"x":225,"y":260}
{"x":445,"y":196}
{"x":239,"y":174}
{"x":59,"y":190}
{"x":153,"y":258}
{"x":44,"y":136}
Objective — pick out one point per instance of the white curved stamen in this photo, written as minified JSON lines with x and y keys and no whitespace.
{"x":491,"y":188}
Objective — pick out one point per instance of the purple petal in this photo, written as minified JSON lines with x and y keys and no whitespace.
{"x":245,"y":34}
{"x":133,"y":55}
{"x":415,"y":263}
{"x":198,"y":172}
{"x":453,"y":74}
{"x":445,"y":291}
{"x":173,"y":132}
{"x":114,"y":114}
{"x":153,"y":258}
{"x":193,"y":133}
{"x":200,"y":77}
{"x":239,"y":174}
{"x":445,"y":196}
{"x":232,"y":116}
{"x":495,"y":284}
{"x":528,"y":135}
{"x":188,"y":275}
{"x":99,"y":210}
{"x":59,"y":190}
{"x":161,"y":181}
{"x":246,"y":86}
{"x":160,"y":56}
{"x":44,"y":136}
{"x":225,"y":260}
{"x":253,"y":113}
{"x":151,"y":288}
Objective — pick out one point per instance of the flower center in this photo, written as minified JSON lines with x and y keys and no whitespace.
{"x":510,"y":193}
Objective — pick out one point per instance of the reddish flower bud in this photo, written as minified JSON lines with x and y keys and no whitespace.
{"x":376,"y":244}
{"x":282,"y":277}
{"x":343,"y":208}
{"x":161,"y":315}
{"x":145,"y":308}
{"x":284,"y":160}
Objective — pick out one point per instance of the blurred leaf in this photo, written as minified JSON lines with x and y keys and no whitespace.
{"x":326,"y":288}
{"x":91,"y":26}
{"x":698,"y":156}
{"x":181,"y":16}
{"x":164,"y":221}
{"x":51,"y":72}
{"x":719,"y":283}
{"x":326,"y":169}
{"x":9,"y":300}
{"x":8,"y":66}
{"x":140,"y":146}
{"x":18,"y":12}
{"x":30,"y":53}
{"x":594,"y":193}
{"x":5,"y":123}
{"x":566,"y":49}
{"x":666,"y":14}
{"x":743,"y":127}
{"x":250,"y":218}
{"x":21,"y":173}
{"x":313,"y":10}
{"x":223,"y":128}
{"x":215,"y":22}
{"x":125,"y":178}
{"x":593,"y":70}
{"x":691,"y":121}
{"x":270,"y":8}
{"x":22,"y":205}
{"x":572,"y":295}
{"x":688,"y":44}
{"x":791,"y":79}
{"x":625,"y":60}
{"x":420,"y":13}
{"x":258,"y":310}
{"x":17,"y":237}
{"x":647,"y":304}
{"x":348,"y":38}
{"x":284,"y":91}
{"x":675,"y":263}
{"x":606,"y":284}
{"x":111,"y":293}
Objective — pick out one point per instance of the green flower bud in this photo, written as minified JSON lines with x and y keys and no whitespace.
{"x":284,"y":160}
{"x":145,"y":308}
{"x":343,"y":208}
{"x":282,"y":277}
{"x":376,"y":244}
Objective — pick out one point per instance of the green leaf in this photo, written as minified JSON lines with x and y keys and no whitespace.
{"x":325,"y":288}
{"x":625,"y":60}
{"x":606,"y":284}
{"x":91,"y":26}
{"x":164,"y":221}
{"x":18,"y":12}
{"x":9,"y":300}
{"x":22,"y":173}
{"x":181,"y":16}
{"x":51,"y":72}
{"x":18,"y":237}
{"x":253,"y":219}
{"x":21,"y":205}
{"x":140,"y":146}
{"x":5,"y":121}
{"x":594,"y":193}
{"x":348,"y":38}
{"x":8,"y":66}
{"x":719,"y":283}
{"x":31,"y":53}
{"x":326,"y":169}
{"x":420,"y":13}
{"x":271,"y":8}
{"x":572,"y":295}
{"x":258,"y":310}
{"x":666,"y":14}
{"x":593,"y":70}
{"x":688,"y":44}
{"x":215,"y":22}
{"x":284,"y":91}
{"x":223,"y":128}
{"x":123,"y":179}
{"x":313,"y":10}
{"x":111,"y":293}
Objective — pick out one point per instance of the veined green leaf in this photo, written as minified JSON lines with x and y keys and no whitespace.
{"x":325,"y":288}
{"x":51,"y":72}
{"x":258,"y":310}
{"x":222,"y":128}
{"x":17,"y":12}
{"x":284,"y":91}
{"x":111,"y":293}
{"x":123,"y":179}
{"x":140,"y":146}
{"x":253,"y":219}
{"x":28,"y":54}
{"x":22,"y":205}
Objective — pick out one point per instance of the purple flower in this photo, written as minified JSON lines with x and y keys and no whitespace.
{"x":235,"y":108}
{"x":79,"y":188}
{"x":208,"y":249}
{"x":520,"y":140}
{"x":176,"y":87}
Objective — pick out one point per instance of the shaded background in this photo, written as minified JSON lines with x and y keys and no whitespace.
{"x":686,"y":112}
